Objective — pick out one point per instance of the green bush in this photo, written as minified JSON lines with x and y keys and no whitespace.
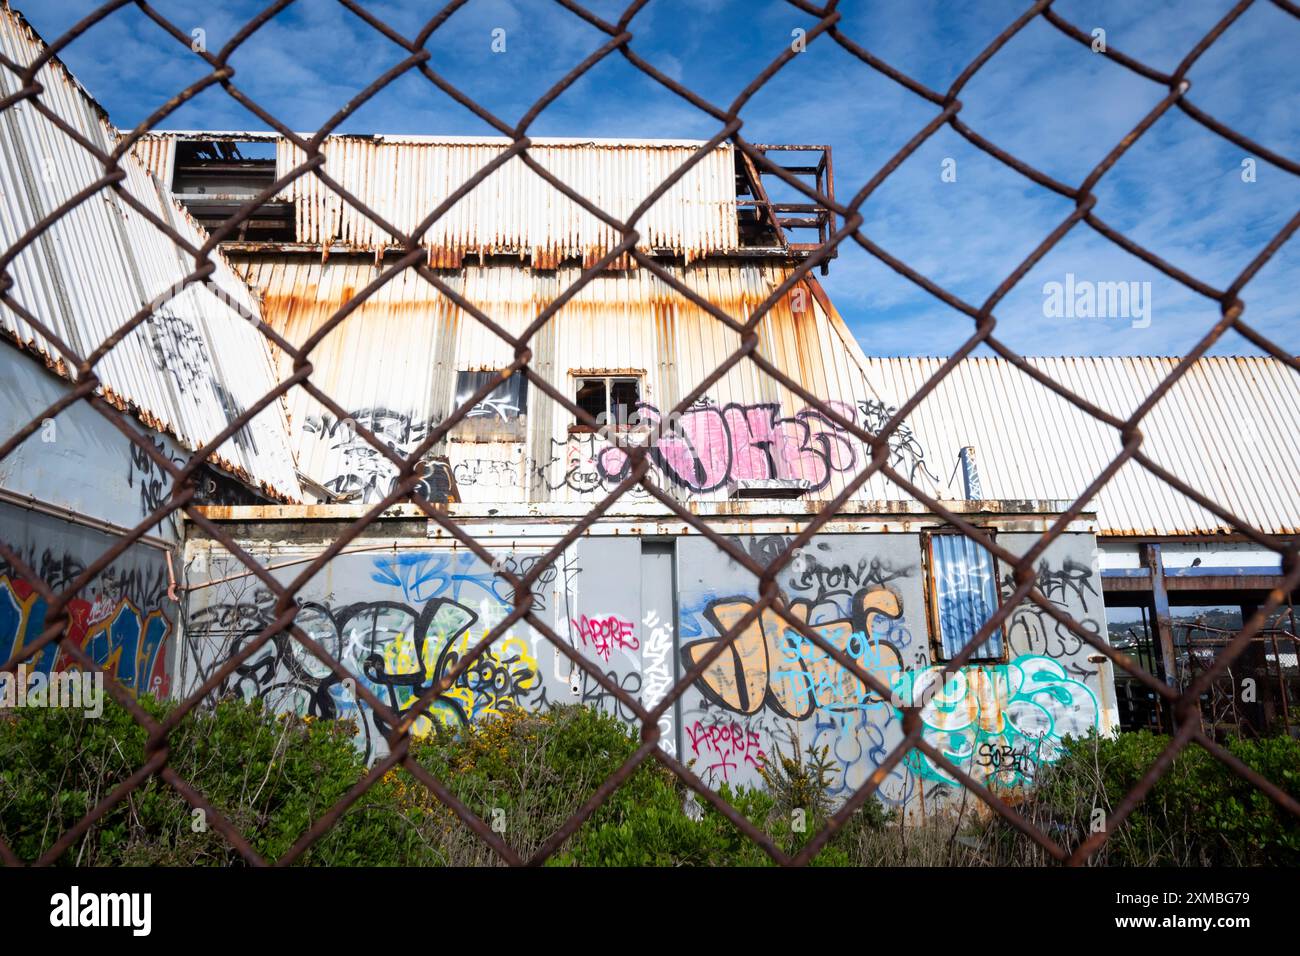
{"x":273,"y":776}
{"x":270,"y":776}
{"x":1200,"y":813}
{"x":538,"y":769}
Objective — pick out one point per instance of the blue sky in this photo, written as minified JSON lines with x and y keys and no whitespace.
{"x":1044,"y":98}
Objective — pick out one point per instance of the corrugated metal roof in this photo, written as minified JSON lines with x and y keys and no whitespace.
{"x":196,"y":362}
{"x":1228,"y":427}
{"x":514,"y":210}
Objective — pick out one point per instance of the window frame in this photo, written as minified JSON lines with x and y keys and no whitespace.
{"x":938,"y":650}
{"x":607,"y":378}
{"x":509,"y":384}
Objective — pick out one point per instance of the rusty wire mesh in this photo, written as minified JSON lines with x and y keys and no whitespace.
{"x":407,"y":487}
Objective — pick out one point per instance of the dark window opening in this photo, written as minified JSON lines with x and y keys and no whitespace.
{"x":213,"y":178}
{"x":591,"y":396}
{"x":964,"y":595}
{"x":500,"y":415}
{"x":505,"y":403}
{"x":624,"y":394}
{"x":610,"y":399}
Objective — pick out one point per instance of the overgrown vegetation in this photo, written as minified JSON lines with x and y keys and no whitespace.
{"x":273,"y":776}
{"x":1200,"y":813}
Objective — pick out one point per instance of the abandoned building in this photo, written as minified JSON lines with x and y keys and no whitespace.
{"x":641,"y":593}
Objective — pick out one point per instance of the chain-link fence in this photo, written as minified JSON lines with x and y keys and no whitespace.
{"x":824,"y":28}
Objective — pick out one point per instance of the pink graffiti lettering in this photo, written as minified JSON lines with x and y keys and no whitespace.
{"x":604,"y":634}
{"x":727,"y":745}
{"x":710,"y":445}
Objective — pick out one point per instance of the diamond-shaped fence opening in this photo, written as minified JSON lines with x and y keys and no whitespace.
{"x":790,"y":629}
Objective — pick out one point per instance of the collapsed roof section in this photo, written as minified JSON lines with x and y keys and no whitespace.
{"x":198,"y":361}
{"x":720,"y":205}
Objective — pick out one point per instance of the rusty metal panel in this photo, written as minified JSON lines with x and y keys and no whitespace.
{"x":765,"y":433}
{"x":398,"y":353}
{"x":514,"y":210}
{"x":157,"y":154}
{"x":402,"y":347}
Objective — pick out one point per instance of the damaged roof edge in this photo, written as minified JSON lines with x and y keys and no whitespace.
{"x":267,"y":136}
{"x":100,"y":263}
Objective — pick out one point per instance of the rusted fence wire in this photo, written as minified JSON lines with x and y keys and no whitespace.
{"x":621,"y":42}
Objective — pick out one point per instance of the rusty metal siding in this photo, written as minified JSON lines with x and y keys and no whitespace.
{"x":1224,"y":428}
{"x":195,"y":363}
{"x":157,"y":154}
{"x":513,"y":211}
{"x":400,"y":350}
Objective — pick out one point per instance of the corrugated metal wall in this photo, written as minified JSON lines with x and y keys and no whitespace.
{"x":514,"y":210}
{"x":397,"y":356}
{"x":194,"y":364}
{"x":1226,"y":428}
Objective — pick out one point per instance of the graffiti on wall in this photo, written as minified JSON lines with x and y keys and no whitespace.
{"x":575,"y":464}
{"x":398,"y":651}
{"x":711,"y":445}
{"x":401,"y":621}
{"x":148,"y":476}
{"x":436,"y":609}
{"x":722,"y":747}
{"x":773,"y":666}
{"x":905,"y":453}
{"x":112,"y":630}
{"x":605,"y":633}
{"x":360,"y":470}
{"x":786,"y":688}
{"x":492,"y":473}
{"x":774,"y":687}
{"x":155,"y":485}
{"x":657,"y":671}
{"x":1071,"y":588}
{"x":998,"y":722}
{"x":181,"y":353}
{"x":707,"y":448}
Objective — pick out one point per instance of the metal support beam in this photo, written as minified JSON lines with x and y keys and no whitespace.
{"x":1164,"y":628}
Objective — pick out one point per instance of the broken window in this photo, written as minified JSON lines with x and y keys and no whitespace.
{"x":610,"y":399}
{"x":963,"y":595}
{"x":505,"y":403}
{"x":213,"y":178}
{"x":498,"y":416}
